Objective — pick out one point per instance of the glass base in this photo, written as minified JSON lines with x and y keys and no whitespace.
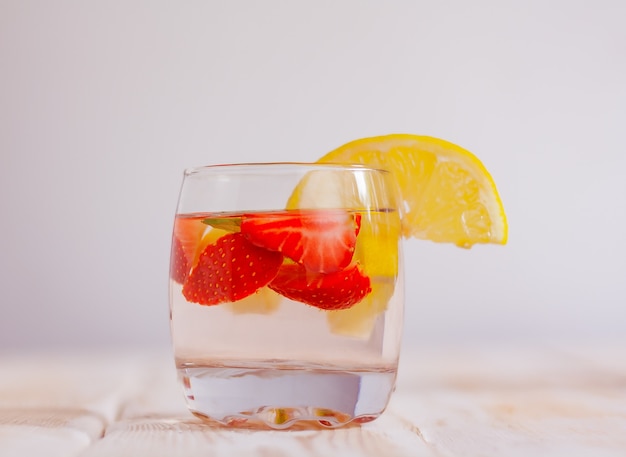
{"x":280,"y":397}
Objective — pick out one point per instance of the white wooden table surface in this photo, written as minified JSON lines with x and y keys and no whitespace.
{"x":556,"y":401}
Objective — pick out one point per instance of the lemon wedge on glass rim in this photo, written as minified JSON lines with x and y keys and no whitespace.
{"x":447,"y":194}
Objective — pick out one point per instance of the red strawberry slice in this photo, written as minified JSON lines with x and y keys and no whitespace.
{"x":321,"y":240}
{"x":230,"y":269}
{"x":179,"y":265}
{"x":187,"y":235}
{"x":331,"y":291}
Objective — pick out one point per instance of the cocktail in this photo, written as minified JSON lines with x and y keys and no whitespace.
{"x":286,"y":288}
{"x":286,"y":292}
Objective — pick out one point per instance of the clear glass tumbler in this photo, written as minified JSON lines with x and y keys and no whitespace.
{"x":286,"y":293}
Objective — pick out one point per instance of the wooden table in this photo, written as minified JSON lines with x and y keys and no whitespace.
{"x":470,"y":401}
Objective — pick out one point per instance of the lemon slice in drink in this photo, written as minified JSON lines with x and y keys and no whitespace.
{"x":448,"y":195}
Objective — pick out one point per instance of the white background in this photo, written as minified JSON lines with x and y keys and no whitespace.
{"x":103,"y":104}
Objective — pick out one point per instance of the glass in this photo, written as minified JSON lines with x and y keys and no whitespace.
{"x":286,"y":293}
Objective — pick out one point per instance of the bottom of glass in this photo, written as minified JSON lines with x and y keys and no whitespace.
{"x":280,"y":397}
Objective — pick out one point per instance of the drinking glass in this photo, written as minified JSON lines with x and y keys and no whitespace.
{"x":286,"y":293}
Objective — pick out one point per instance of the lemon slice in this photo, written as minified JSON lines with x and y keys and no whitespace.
{"x":358,"y":321}
{"x":263,"y":301}
{"x":449,"y":196}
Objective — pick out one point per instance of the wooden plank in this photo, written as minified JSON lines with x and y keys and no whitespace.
{"x":47,"y":432}
{"x":501,"y":401}
{"x":57,"y":405}
{"x":97,"y":383}
{"x":159,"y":393}
{"x":173,"y":437}
{"x":514,"y":403}
{"x":517,"y":423}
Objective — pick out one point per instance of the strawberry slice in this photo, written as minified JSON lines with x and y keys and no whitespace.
{"x":230,"y":269}
{"x":329,"y":291}
{"x":186,"y":238}
{"x":321,"y":240}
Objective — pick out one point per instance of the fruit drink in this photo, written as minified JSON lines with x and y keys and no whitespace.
{"x":288,"y":315}
{"x":286,"y":279}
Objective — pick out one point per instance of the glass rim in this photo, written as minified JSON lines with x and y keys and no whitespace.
{"x":232,"y":167}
